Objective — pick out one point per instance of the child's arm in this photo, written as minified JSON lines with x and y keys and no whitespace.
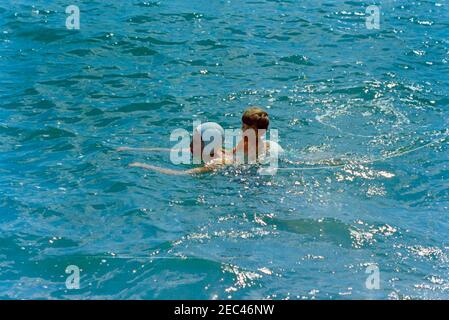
{"x":170,"y":171}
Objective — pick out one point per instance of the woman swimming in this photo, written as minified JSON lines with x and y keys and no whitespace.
{"x":211,"y":157}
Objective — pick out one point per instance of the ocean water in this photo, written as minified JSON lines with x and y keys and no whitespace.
{"x":362,"y":114}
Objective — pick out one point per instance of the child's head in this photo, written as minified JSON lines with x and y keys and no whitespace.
{"x":255,"y":118}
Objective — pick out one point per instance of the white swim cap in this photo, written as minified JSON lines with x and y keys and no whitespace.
{"x":209,"y":126}
{"x":212,"y":129}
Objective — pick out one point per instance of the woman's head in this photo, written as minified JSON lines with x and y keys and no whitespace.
{"x":208,"y":134}
{"x":255,"y":118}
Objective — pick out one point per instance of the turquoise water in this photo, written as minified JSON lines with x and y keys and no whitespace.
{"x":375,"y":101}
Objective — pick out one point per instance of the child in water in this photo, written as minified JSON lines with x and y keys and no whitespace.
{"x":252,"y":147}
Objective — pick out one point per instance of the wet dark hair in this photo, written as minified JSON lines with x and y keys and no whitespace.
{"x":256,"y":117}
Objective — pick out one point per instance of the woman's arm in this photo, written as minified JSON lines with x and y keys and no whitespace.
{"x":150,"y":149}
{"x":170,"y":171}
